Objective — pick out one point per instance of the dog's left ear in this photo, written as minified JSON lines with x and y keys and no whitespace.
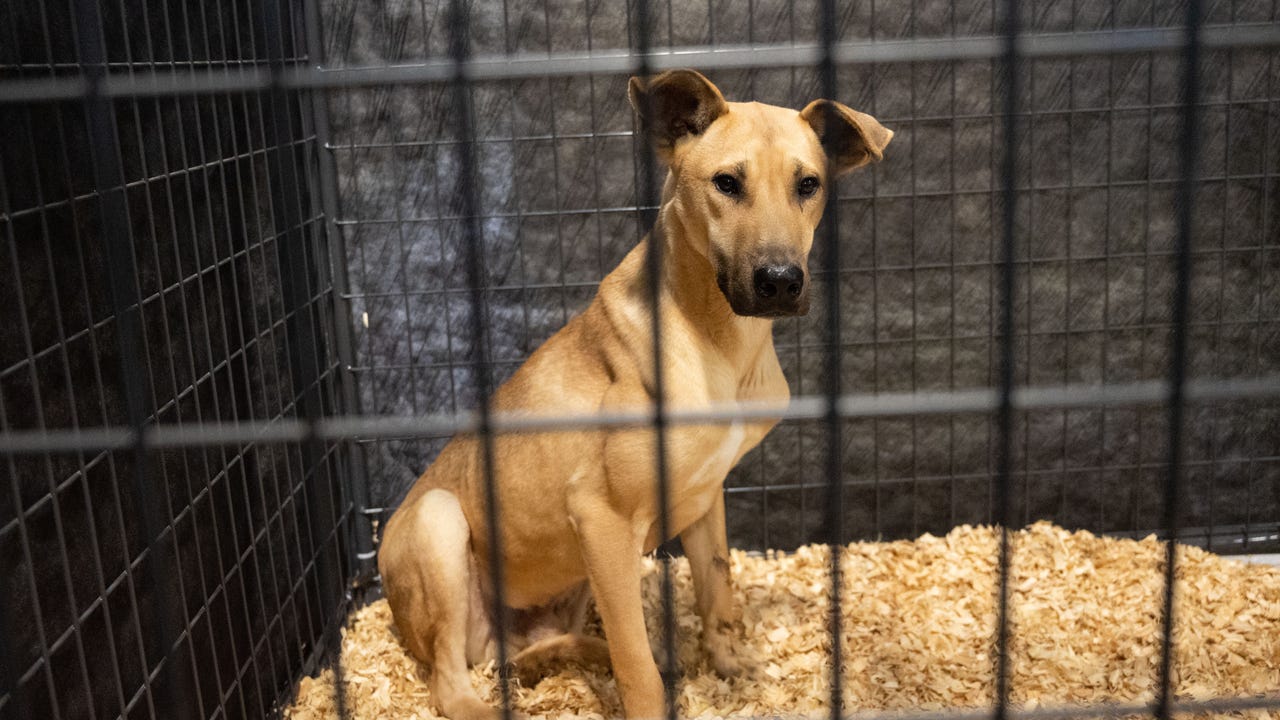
{"x":675,"y":105}
{"x":851,"y":139}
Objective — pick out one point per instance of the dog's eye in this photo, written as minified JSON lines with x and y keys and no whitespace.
{"x":808,"y":186}
{"x":726,"y":184}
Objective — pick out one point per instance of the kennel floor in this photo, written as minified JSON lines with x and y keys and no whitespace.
{"x":918,"y":628}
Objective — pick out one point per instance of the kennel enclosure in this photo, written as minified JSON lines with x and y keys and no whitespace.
{"x":241,"y":312}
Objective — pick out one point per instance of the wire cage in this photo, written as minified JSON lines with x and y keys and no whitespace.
{"x":263,"y":258}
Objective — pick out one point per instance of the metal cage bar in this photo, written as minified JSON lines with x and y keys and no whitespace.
{"x":646,"y":200}
{"x":851,"y":406}
{"x":1188,"y":152}
{"x":1011,"y":63}
{"x":459,"y":48}
{"x":504,"y":68}
{"x":122,"y":274}
{"x":834,"y":501}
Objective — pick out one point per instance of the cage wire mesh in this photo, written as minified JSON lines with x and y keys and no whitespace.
{"x":227,"y":221}
{"x":163,"y":266}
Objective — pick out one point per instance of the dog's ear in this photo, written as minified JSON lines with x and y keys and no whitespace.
{"x":674,"y":105}
{"x":851,"y":139}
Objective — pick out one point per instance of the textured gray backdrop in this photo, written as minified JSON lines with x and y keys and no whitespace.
{"x":1097,"y":168}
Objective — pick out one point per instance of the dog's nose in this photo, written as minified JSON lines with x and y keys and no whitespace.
{"x":779,"y":283}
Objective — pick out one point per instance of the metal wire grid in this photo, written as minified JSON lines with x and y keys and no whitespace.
{"x":24,"y":447}
{"x":1003,"y":457}
{"x":165,"y":260}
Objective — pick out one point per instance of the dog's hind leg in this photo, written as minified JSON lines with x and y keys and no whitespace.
{"x":432,"y":597}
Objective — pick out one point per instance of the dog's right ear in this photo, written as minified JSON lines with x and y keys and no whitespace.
{"x":850,"y":138}
{"x":673,"y":106}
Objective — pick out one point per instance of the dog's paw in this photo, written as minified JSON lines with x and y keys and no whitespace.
{"x":723,"y":658}
{"x":528,"y":675}
{"x":470,"y":708}
{"x":727,"y":665}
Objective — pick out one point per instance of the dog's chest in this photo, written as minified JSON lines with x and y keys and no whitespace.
{"x":698,"y":472}
{"x":700,"y":456}
{"x":717,"y":463}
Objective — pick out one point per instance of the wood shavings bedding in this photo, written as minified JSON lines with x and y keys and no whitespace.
{"x":918,"y":622}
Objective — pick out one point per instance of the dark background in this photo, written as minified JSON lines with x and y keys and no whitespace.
{"x":1097,"y":164}
{"x":193,"y":582}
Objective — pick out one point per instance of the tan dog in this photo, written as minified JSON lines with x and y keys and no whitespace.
{"x":746,"y":188}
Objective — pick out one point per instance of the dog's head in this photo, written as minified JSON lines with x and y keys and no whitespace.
{"x":749,"y":181}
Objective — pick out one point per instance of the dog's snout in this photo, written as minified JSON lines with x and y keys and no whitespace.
{"x":771,"y":289}
{"x":779,"y":283}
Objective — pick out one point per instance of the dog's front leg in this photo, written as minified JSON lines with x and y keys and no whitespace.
{"x":612,"y":555}
{"x":707,"y":548}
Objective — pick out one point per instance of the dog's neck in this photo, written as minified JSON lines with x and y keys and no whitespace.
{"x":689,"y":283}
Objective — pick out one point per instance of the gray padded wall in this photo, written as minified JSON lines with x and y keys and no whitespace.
{"x":1097,"y":166}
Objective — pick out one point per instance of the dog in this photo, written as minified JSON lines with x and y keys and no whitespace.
{"x":745,"y":188}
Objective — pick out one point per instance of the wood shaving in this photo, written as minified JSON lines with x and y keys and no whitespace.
{"x":918,"y":633}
